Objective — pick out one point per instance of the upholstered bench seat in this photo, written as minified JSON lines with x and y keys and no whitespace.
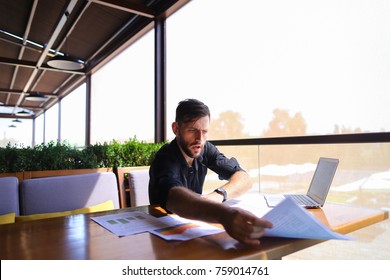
{"x":67,"y":193}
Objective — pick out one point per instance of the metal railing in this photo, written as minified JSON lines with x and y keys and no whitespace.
{"x":358,"y":138}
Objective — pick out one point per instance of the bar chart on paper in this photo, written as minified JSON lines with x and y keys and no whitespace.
{"x":170,"y":227}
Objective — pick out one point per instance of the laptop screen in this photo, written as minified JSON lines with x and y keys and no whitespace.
{"x":322,"y":179}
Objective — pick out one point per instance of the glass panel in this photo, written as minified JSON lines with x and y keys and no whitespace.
{"x":282,"y":68}
{"x":123,"y":95}
{"x":362,"y":176}
{"x":73,"y":117}
{"x":247,"y":157}
{"x":51,"y":129}
{"x":16,"y":132}
{"x":39,"y":126}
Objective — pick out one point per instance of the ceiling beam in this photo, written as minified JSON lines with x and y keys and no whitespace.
{"x":21,"y":45}
{"x":15,"y":91}
{"x":16,"y":62}
{"x":13,"y":116}
{"x":33,"y":65}
{"x":127,"y":6}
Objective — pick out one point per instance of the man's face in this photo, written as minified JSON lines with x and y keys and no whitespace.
{"x":192,"y":136}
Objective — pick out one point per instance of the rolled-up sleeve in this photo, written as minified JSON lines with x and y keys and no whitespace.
{"x":219,"y":163}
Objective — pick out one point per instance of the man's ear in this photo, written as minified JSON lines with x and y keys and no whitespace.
{"x":175,"y":128}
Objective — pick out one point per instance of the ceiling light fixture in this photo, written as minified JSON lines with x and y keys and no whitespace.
{"x":17,"y":121}
{"x":36,"y":97}
{"x":23,"y":113}
{"x":12,"y":126}
{"x":65,"y":62}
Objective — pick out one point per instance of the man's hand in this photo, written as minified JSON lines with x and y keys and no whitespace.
{"x":244,"y":226}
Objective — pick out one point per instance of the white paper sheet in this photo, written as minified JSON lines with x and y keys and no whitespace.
{"x":293,"y":221}
{"x":273,"y":199}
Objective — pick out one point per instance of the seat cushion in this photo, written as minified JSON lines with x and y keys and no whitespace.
{"x":139,"y":187}
{"x":66,"y":193}
{"x":105,"y":206}
{"x":9,"y":195}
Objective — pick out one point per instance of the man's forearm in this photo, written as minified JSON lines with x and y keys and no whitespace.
{"x":188,"y":204}
{"x":238,"y":184}
{"x":238,"y":223}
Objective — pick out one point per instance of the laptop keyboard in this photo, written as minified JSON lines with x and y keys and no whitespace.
{"x":302,"y":199}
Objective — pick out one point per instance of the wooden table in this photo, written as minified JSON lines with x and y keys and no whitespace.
{"x":78,"y":237}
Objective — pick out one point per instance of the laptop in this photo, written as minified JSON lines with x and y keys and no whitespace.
{"x":318,"y":190}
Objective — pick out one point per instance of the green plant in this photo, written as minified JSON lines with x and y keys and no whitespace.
{"x":8,"y":157}
{"x":129,"y":153}
{"x":56,"y":156}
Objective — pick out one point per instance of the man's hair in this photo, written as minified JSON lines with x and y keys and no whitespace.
{"x":190,"y":110}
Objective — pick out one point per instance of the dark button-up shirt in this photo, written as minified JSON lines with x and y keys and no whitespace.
{"x":170,"y":169}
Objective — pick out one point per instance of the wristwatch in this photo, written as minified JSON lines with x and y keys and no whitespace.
{"x":222,"y":192}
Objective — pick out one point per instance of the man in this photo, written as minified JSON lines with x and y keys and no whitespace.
{"x":178,"y":172}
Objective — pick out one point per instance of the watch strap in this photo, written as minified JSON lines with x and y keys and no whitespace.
{"x":222,"y":192}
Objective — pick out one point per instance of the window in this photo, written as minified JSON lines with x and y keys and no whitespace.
{"x":15,"y":132}
{"x":39,"y":130}
{"x":51,"y":125}
{"x":123,"y":95}
{"x":73,"y":117}
{"x":289,"y":68}
{"x":282,"y":68}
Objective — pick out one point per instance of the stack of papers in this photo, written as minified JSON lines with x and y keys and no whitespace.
{"x":170,"y":227}
{"x":289,"y":220}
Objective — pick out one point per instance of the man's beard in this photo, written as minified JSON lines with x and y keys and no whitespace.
{"x":185,"y":148}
